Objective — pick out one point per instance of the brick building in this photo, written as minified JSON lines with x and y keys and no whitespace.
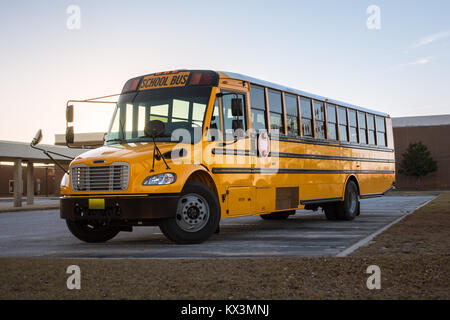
{"x":434,"y":132}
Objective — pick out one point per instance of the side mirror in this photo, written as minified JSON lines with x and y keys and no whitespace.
{"x":37,"y":138}
{"x":69,"y":113}
{"x":70,"y":137}
{"x":238,"y":129}
{"x":236,"y":107}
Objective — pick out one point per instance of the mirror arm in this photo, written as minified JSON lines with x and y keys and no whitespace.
{"x":220,"y":94}
{"x":47,"y":153}
{"x":91,"y":100}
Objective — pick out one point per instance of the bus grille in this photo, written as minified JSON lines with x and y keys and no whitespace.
{"x":100,"y":178}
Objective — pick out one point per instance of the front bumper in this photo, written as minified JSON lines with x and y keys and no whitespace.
{"x":120,"y":208}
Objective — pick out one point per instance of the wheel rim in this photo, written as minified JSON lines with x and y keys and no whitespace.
{"x":353,"y":201}
{"x":192,"y":213}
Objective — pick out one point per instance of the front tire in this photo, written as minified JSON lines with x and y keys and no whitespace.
{"x":197,"y":216}
{"x":91,"y":231}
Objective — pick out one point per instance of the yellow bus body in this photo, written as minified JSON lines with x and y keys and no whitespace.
{"x":299,"y":171}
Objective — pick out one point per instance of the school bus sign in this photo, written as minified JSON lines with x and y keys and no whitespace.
{"x":164,"y":81}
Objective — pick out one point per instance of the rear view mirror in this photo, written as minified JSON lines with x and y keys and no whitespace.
{"x":37,"y":138}
{"x":69,"y":113}
{"x":237,"y":124}
{"x":69,"y":135}
{"x":238,"y":129}
{"x":236,"y":107}
{"x":154,"y":129}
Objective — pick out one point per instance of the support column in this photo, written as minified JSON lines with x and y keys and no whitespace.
{"x":30,"y":182}
{"x":18,"y":183}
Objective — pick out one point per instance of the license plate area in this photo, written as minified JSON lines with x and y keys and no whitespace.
{"x":96,"y":204}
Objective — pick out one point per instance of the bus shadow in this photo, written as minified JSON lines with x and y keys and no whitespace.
{"x":240,"y":227}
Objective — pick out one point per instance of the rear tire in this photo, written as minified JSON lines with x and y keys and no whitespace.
{"x":91,"y":231}
{"x":277,"y":215}
{"x":197,"y":216}
{"x":349,"y":208}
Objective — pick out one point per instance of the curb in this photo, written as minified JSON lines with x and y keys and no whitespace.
{"x":30,"y":208}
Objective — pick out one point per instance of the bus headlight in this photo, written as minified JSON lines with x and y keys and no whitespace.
{"x":64,"y":181}
{"x":160,"y":179}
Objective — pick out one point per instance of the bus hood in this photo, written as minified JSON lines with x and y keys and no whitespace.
{"x":134,"y":152}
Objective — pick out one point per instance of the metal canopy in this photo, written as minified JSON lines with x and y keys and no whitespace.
{"x":10,"y":150}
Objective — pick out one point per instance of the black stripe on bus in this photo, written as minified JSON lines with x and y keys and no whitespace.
{"x":237,"y":152}
{"x":320,"y":200}
{"x":336,"y":144}
{"x":294,"y":171}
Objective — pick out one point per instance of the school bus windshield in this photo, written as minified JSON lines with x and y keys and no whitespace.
{"x":182,"y":111}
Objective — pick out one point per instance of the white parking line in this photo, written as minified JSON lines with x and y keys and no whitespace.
{"x":369,"y":238}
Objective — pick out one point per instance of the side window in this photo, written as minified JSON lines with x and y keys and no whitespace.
{"x":371,"y":127}
{"x":291,"y":115}
{"x":228,"y":116}
{"x":276,"y":111}
{"x":332,"y":123}
{"x":305,"y":105}
{"x":353,"y":126}
{"x":258,"y":110}
{"x":342,"y":118}
{"x":362,"y":127}
{"x":381,"y":132}
{"x":215,"y":126}
{"x":319,"y":115}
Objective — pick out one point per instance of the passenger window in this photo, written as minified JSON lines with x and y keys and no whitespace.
{"x":342,"y":118}
{"x":319,"y":115}
{"x":332,"y":123}
{"x":371,"y":127}
{"x":305,"y":105}
{"x":362,"y":127}
{"x":353,"y":126}
{"x":276,"y":112}
{"x":381,"y":132}
{"x":227,"y":115}
{"x":258,"y":108}
{"x":291,"y":115}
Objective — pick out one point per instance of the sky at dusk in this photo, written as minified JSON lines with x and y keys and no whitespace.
{"x":322,"y":47}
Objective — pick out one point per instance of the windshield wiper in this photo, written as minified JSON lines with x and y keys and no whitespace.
{"x":116,"y":139}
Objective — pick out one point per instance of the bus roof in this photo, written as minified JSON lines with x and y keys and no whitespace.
{"x":299,"y":92}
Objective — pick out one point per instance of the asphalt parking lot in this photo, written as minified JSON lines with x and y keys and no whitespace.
{"x":44,"y":234}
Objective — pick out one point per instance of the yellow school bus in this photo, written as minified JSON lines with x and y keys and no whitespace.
{"x":186,"y":148}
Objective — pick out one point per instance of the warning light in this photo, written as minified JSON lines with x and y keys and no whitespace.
{"x":202,"y":79}
{"x":131,"y":85}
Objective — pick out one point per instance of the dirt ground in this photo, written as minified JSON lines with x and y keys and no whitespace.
{"x":413,"y":256}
